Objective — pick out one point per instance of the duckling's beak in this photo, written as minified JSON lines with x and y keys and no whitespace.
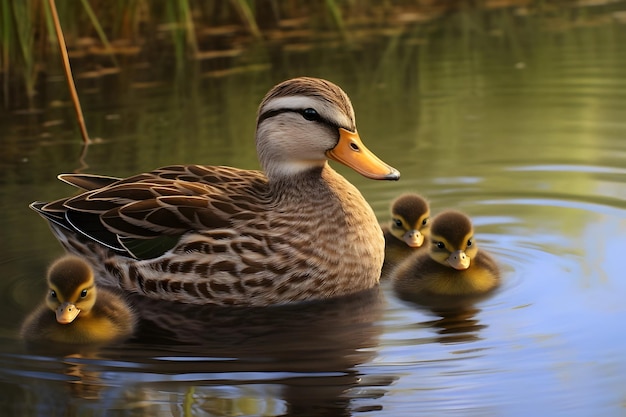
{"x":413,"y":238}
{"x":66,"y":313}
{"x":351,"y":152}
{"x":459,"y":260}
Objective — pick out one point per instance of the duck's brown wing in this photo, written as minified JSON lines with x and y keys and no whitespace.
{"x":159,"y":206}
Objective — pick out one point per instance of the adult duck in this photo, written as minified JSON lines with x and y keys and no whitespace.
{"x":75,"y":311}
{"x":407,"y":231}
{"x":452,"y":267}
{"x":220,"y":235}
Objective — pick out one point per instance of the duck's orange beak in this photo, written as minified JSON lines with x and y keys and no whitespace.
{"x":66,"y":313}
{"x":351,"y":152}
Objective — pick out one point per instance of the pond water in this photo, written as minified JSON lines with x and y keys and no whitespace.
{"x":515,"y":118}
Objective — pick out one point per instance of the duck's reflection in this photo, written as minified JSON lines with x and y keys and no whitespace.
{"x":287,"y":360}
{"x":291,"y":360}
{"x":85,"y":383}
{"x":457,"y":325}
{"x":456,"y":316}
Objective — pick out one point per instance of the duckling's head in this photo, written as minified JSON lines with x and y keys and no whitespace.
{"x":71,"y":288}
{"x":452,"y":240}
{"x":303,"y":122}
{"x":410,"y":219}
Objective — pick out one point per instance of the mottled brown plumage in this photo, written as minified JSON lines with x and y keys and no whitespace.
{"x":453,"y":265}
{"x":226,"y":236}
{"x":75,"y":311}
{"x":407,"y":231}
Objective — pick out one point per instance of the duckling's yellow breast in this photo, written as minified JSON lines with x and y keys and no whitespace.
{"x":461,"y":282}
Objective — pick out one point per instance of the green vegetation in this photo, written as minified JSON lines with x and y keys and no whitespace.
{"x":107,"y":34}
{"x":115,"y":28}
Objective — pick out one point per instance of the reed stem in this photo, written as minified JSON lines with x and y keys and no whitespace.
{"x":68,"y":72}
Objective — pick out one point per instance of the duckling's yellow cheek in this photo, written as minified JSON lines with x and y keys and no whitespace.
{"x":66,"y":313}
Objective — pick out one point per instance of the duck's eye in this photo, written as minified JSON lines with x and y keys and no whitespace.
{"x":83,"y":294}
{"x":397,"y":222}
{"x":469,"y":242}
{"x":53,"y":294}
{"x":425,"y":221}
{"x":311,"y":114}
{"x":440,"y":245}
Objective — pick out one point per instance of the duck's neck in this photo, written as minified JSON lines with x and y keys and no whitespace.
{"x":304,"y":184}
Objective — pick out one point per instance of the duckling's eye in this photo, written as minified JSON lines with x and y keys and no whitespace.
{"x":425,"y":221}
{"x":440,"y":245}
{"x":311,"y":114}
{"x":469,"y":242}
{"x":83,"y":294}
{"x":53,"y":294}
{"x":397,"y":222}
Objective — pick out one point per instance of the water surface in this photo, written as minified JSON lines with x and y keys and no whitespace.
{"x":516,"y":119}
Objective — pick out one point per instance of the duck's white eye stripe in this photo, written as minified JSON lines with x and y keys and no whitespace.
{"x":291,"y":102}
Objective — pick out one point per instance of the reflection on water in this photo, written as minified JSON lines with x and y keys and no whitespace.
{"x":235,"y":361}
{"x":455,"y":325}
{"x":513,"y":117}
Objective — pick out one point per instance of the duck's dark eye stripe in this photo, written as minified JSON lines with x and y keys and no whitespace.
{"x":272,"y":113}
{"x":303,"y":112}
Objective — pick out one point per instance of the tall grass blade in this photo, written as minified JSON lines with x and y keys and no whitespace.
{"x":335,"y":12}
{"x":52,"y":36}
{"x":25,"y":37}
{"x":244,"y":10}
{"x":96,"y":24}
{"x":178,"y":36}
{"x":6,"y":30}
{"x":185,"y":14}
{"x":68,"y":72}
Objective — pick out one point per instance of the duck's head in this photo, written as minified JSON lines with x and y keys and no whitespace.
{"x":452,"y":240}
{"x":410,"y":219}
{"x":305,"y":121}
{"x":71,"y":288}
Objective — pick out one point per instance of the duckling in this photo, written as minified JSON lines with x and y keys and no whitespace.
{"x":453,"y":265}
{"x":75,"y":311}
{"x":407,"y":231}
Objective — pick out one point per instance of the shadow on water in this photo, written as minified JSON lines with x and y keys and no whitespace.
{"x":455,"y":319}
{"x":274,"y":361}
